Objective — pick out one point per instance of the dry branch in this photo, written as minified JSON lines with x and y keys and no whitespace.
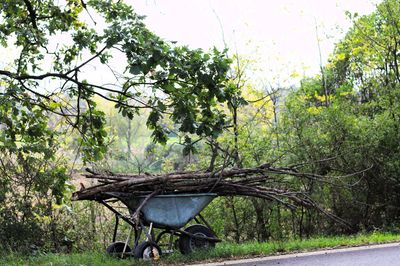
{"x":261,"y":182}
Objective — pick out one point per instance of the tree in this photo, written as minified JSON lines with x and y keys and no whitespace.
{"x":359,"y":129}
{"x":58,"y":44}
{"x":175,"y":82}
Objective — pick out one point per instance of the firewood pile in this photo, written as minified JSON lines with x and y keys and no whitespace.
{"x":259,"y":182}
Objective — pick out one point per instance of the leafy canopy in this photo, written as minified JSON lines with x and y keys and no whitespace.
{"x":58,"y":47}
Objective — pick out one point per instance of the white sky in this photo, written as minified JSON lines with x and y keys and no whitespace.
{"x":280,"y":35}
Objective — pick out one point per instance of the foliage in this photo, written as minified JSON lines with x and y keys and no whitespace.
{"x":345,"y":132}
{"x":33,"y":179}
{"x":57,"y":43}
{"x":342,"y":126}
{"x":357,"y":132}
{"x":185,"y":85}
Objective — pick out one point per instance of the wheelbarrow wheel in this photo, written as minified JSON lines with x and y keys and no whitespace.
{"x":116,"y":249}
{"x":188,"y":244}
{"x":148,"y":251}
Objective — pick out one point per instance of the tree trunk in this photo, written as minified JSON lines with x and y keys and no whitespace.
{"x":261,"y":221}
{"x":128,"y":140}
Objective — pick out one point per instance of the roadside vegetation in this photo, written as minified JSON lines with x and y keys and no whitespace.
{"x":172,"y":108}
{"x":223,"y":251}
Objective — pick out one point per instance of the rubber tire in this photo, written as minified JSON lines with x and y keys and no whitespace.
{"x":115,"y":249}
{"x":186,"y":243}
{"x":141,"y":248}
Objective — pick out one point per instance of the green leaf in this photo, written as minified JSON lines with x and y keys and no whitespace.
{"x":135,"y":70}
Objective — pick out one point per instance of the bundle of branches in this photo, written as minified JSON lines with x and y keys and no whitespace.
{"x":259,"y":182}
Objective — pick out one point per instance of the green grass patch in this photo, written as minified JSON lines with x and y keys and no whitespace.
{"x":78,"y":259}
{"x":222,"y":251}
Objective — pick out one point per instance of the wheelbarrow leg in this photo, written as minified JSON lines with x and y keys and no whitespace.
{"x":150,"y":234}
{"x":138,"y":233}
{"x":115,"y":228}
{"x":196,"y":220}
{"x":171,"y":243}
{"x":126,"y":242}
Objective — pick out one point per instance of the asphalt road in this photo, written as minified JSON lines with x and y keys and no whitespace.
{"x":376,"y":255}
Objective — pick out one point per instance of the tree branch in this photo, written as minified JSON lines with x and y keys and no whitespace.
{"x":32,"y":13}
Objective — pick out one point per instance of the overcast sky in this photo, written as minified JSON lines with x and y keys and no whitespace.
{"x":279,"y":35}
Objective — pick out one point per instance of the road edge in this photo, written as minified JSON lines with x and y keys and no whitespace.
{"x":299,"y":254}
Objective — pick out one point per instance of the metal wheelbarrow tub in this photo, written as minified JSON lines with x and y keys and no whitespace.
{"x":173,"y":211}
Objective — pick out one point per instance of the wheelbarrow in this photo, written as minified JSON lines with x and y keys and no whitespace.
{"x":170,"y":213}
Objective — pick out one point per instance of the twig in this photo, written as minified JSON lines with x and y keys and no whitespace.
{"x":136,"y":214}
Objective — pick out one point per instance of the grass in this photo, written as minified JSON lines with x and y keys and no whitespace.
{"x":77,"y":259}
{"x":222,"y":251}
{"x":225,"y":251}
